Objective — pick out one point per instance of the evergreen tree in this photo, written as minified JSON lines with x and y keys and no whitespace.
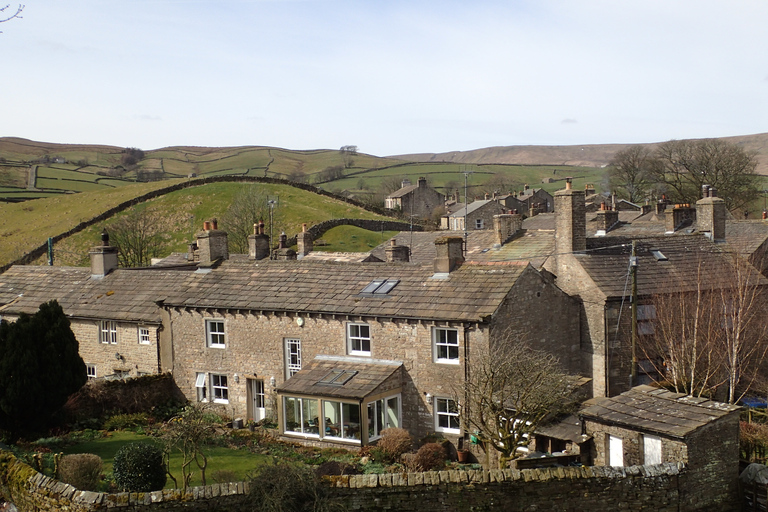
{"x":39,"y":368}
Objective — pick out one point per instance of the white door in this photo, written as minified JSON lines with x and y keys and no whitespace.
{"x":651,"y":450}
{"x":257,"y":399}
{"x":615,"y":451}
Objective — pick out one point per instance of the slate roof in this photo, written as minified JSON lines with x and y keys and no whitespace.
{"x":691,"y":259}
{"x":473,"y":207}
{"x":658,"y":411}
{"x":404,"y":191}
{"x":470,"y":293}
{"x":124,"y":294}
{"x":371,"y":373}
{"x":422,"y":244}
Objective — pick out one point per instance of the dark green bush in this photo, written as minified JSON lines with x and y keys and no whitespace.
{"x":81,"y":470}
{"x":430,"y":456}
{"x":139,"y":467}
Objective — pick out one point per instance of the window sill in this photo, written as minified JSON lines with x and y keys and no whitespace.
{"x":358,"y":353}
{"x":454,"y":362}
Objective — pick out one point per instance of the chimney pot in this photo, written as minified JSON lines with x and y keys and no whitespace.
{"x":765,"y":214}
{"x":215,"y":224}
{"x":206,"y":225}
{"x":568,"y":183}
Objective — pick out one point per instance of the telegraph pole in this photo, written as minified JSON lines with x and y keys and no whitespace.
{"x":633,"y":275}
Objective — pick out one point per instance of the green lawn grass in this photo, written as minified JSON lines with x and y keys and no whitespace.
{"x":240,"y":462}
{"x":353,"y":239}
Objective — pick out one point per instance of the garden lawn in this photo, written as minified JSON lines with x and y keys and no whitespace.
{"x":239,"y":462}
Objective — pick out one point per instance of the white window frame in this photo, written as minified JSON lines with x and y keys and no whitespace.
{"x":479,"y":224}
{"x":292,"y":356}
{"x":442,"y":347}
{"x":144,"y":336}
{"x":201,"y":386}
{"x":652,"y":450}
{"x":215,"y":338}
{"x":442,"y":410}
{"x":356,"y":344}
{"x":90,"y":371}
{"x":108,"y":332}
{"x":380,"y":409}
{"x":219,"y":388}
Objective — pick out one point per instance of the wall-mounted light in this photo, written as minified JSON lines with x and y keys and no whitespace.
{"x":429,"y":399}
{"x":272,"y":381}
{"x":237,"y":378}
{"x":299,"y":321}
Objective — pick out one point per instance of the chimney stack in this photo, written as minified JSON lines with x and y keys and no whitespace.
{"x":570,"y":220}
{"x":449,"y":254}
{"x":212,"y":243}
{"x":710,"y":215}
{"x":283,"y":252}
{"x":303,"y":242}
{"x":607,"y":218}
{"x":397,"y":253}
{"x":258,"y":243}
{"x":679,"y":216}
{"x":103,"y":257}
{"x":506,"y":226}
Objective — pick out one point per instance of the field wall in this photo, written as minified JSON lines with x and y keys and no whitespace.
{"x":41,"y":250}
{"x":598,"y":489}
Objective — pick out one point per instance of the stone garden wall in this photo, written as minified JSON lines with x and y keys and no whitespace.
{"x":597,"y":489}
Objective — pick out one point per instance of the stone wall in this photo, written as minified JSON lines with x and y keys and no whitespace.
{"x":598,"y":489}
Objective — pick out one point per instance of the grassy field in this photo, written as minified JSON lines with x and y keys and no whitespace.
{"x":181,"y":214}
{"x":239,"y":462}
{"x":352,"y":239}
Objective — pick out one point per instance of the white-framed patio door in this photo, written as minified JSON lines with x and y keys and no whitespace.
{"x":256,"y":400}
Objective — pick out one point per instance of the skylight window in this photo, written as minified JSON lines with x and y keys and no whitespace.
{"x":380,"y":286}
{"x":337,"y":377}
{"x":656,"y":253}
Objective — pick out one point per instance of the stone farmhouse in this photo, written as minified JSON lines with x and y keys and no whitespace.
{"x":419,"y":200}
{"x":342,"y":351}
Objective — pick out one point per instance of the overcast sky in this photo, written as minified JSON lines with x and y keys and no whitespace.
{"x":390,"y":76}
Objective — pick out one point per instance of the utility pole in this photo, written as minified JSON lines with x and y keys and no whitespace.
{"x":633,"y":275}
{"x":466,"y":208}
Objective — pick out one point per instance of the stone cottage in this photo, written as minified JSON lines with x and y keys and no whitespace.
{"x":111,"y":311}
{"x":336,"y":352}
{"x":419,"y":200}
{"x":478,"y":215}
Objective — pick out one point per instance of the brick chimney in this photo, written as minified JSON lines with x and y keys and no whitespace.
{"x":506,"y":226}
{"x":303,"y":242}
{"x":570,"y":220}
{"x":607,"y":218}
{"x":212,"y":243}
{"x":103,"y":257}
{"x":449,"y":254}
{"x":397,"y":253}
{"x":710,"y":214}
{"x":258,"y":243}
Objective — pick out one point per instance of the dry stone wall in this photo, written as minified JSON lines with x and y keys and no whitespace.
{"x":598,"y":489}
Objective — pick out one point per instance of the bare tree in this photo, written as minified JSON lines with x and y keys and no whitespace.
{"x":137,"y":238}
{"x":501,"y":183}
{"x":683,"y":166}
{"x":7,"y":13}
{"x":713,"y":340}
{"x":629,"y":173}
{"x":249,"y":206}
{"x":509,"y":390}
{"x":188,"y":433}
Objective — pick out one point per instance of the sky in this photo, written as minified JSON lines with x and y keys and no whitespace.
{"x":389,"y":76}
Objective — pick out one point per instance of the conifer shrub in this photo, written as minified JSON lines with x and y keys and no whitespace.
{"x":139,"y":467}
